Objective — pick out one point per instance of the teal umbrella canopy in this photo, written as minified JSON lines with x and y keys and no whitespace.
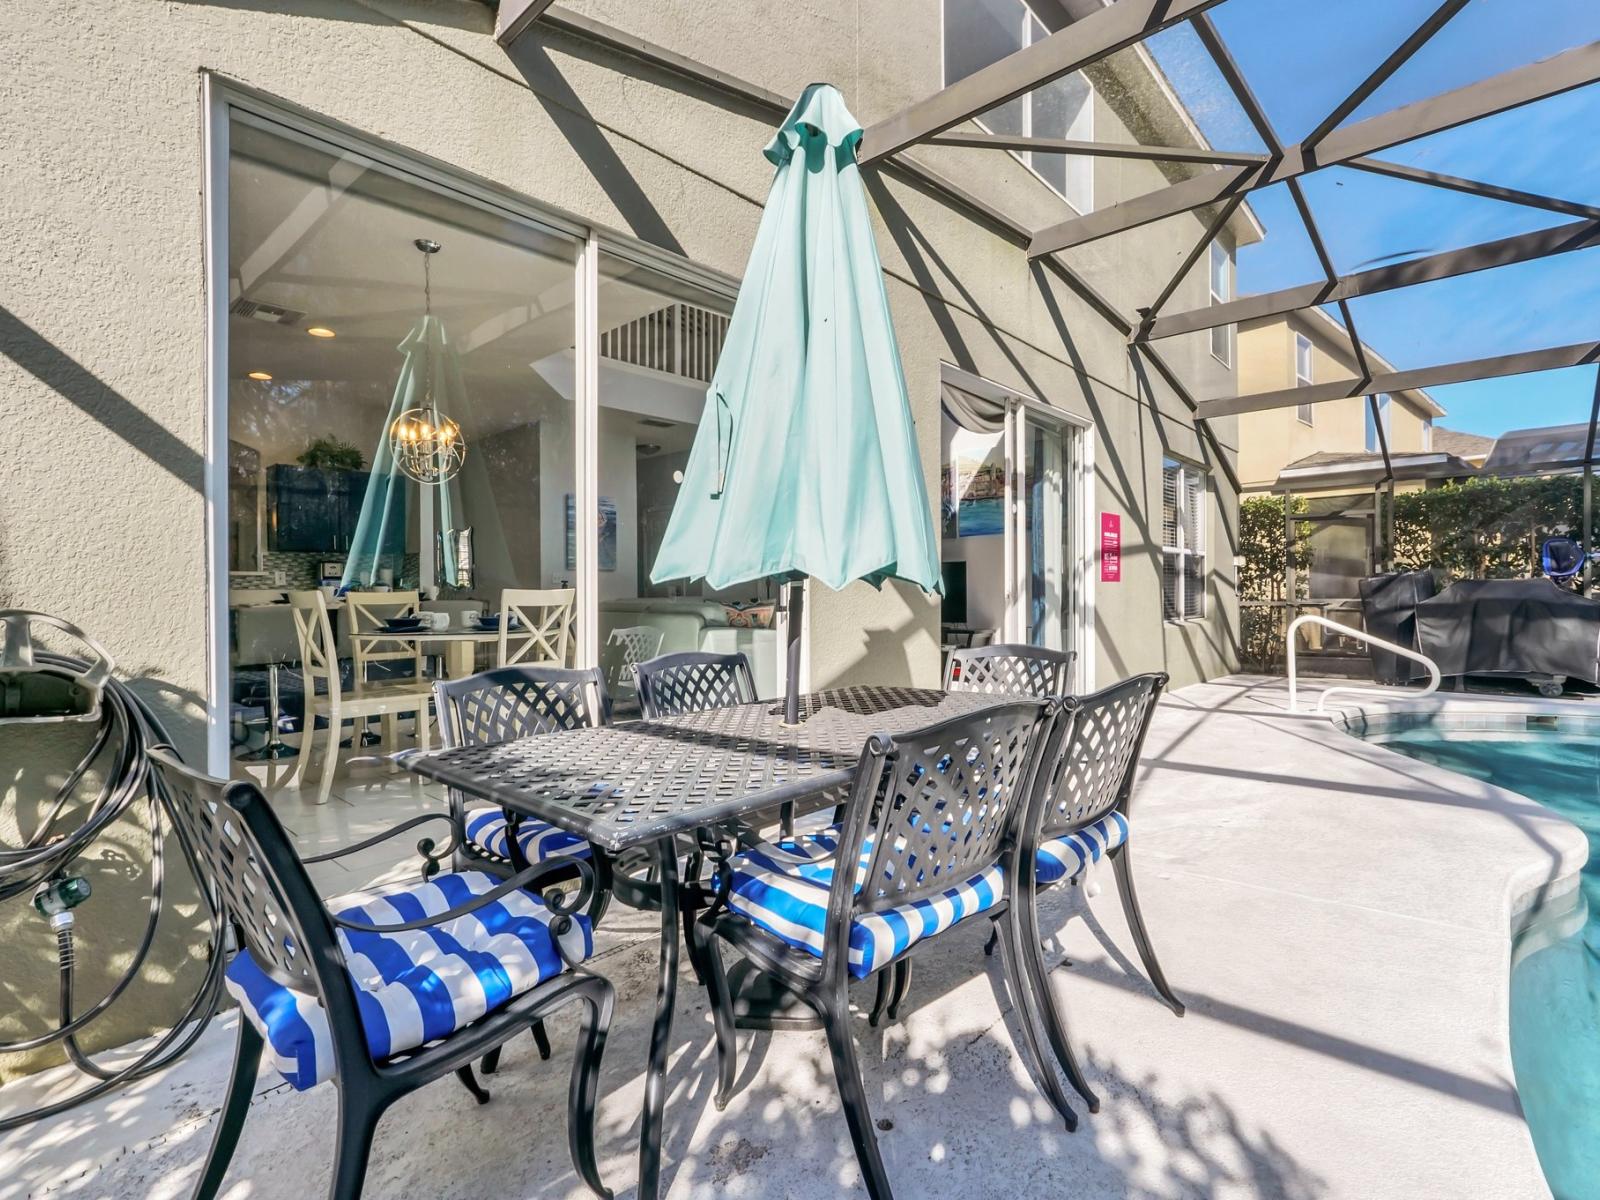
{"x":805,"y":461}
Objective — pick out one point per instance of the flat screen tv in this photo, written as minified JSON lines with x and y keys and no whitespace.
{"x":953,"y":608}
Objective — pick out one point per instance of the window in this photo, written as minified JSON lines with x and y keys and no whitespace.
{"x":1373,"y":444}
{"x":980,"y":32}
{"x":1427,"y":435}
{"x":1183,"y":560}
{"x":1302,"y":373}
{"x":1221,"y":293}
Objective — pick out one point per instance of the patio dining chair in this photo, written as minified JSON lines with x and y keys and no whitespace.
{"x":693,"y":681}
{"x":385,"y":990}
{"x":928,"y":841}
{"x":500,"y":705}
{"x":1081,"y":817}
{"x":1010,"y":668}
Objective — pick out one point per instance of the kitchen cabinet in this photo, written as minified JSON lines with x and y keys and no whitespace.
{"x":315,"y":510}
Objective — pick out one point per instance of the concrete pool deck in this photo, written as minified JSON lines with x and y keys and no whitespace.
{"x":1336,"y":916}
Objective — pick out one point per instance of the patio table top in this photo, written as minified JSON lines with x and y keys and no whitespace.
{"x":619,"y":786}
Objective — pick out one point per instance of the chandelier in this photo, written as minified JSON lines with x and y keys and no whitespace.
{"x":426,"y":444}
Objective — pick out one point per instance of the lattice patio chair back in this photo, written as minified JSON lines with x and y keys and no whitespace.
{"x":932,"y":810}
{"x":505,"y":703}
{"x":1097,"y":758}
{"x":544,"y":617}
{"x":693,"y":681}
{"x":1011,"y":669}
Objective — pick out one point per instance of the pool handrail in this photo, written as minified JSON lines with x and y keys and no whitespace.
{"x":1362,"y":635}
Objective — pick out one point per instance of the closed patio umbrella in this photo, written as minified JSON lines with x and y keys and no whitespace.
{"x":805,"y":461}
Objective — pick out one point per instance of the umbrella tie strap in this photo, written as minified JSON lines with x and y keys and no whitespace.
{"x":723,"y":448}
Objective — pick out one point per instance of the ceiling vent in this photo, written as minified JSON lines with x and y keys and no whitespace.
{"x":270,"y":313}
{"x":657,"y":423}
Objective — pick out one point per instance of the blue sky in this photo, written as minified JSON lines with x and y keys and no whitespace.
{"x":1302,"y":57}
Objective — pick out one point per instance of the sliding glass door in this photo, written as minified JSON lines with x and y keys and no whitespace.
{"x":1012,"y":547}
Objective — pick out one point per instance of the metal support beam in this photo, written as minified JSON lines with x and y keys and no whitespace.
{"x":1524,"y":85}
{"x":1581,"y":354}
{"x":1473,"y":187}
{"x":1385,"y":69}
{"x":513,"y":17}
{"x":1097,"y":35}
{"x":1588,"y":486}
{"x":1524,"y":247}
{"x":1044,"y":145}
{"x":1222,"y":216}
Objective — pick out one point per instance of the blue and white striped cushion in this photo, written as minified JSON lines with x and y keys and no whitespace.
{"x":411,"y":988}
{"x":486,"y":829}
{"x":783,"y":888}
{"x":1066,"y":857}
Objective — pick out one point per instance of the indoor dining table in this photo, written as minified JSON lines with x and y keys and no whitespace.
{"x":639,"y":784}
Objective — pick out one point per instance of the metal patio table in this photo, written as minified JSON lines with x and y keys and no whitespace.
{"x":639,"y":784}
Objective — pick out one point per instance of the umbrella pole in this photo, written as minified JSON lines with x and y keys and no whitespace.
{"x":795,"y":609}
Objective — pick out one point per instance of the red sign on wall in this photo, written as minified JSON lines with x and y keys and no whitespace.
{"x":1110,"y":547}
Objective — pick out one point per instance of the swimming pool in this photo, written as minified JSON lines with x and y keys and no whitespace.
{"x":1555,"y":975}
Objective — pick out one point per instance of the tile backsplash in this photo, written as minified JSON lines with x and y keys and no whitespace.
{"x":300,"y":570}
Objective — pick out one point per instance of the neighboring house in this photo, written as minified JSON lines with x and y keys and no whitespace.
{"x":1324,"y":445}
{"x":1472,"y":448}
{"x":1542,"y":450}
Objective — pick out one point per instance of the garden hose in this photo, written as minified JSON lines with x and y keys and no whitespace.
{"x":43,"y":687}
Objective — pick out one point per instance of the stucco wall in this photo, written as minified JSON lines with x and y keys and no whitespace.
{"x":102,"y":305}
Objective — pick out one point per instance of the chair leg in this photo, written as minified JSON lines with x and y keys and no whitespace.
{"x":1011,"y":958}
{"x":490,"y":1062}
{"x":330,"y":762}
{"x":721,"y":1011}
{"x":1141,"y":936}
{"x":235,"y":1107}
{"x":470,"y":1082}
{"x":599,"y":999}
{"x":358,"y":1121}
{"x":880,"y":1002}
{"x":847,"y":1076}
{"x":1055,"y":1021}
{"x":902,"y":985}
{"x":541,"y":1039}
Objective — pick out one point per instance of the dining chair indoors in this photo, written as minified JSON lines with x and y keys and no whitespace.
{"x":386,"y":990}
{"x":1081,"y":817}
{"x":693,"y":681}
{"x":929,"y":841}
{"x":536,"y":626}
{"x":325,"y":697}
{"x":1010,"y":668}
{"x":367,"y":613}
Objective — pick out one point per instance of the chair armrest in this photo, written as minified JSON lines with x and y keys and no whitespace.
{"x":425,"y":847}
{"x":561,"y":910}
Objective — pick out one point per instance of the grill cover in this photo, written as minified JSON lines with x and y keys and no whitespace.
{"x":1511,"y":627}
{"x":1389,"y":610}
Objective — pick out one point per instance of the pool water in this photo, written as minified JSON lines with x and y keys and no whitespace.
{"x":1555,"y":976}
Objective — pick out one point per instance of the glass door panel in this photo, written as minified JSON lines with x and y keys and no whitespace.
{"x":1047,"y":534}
